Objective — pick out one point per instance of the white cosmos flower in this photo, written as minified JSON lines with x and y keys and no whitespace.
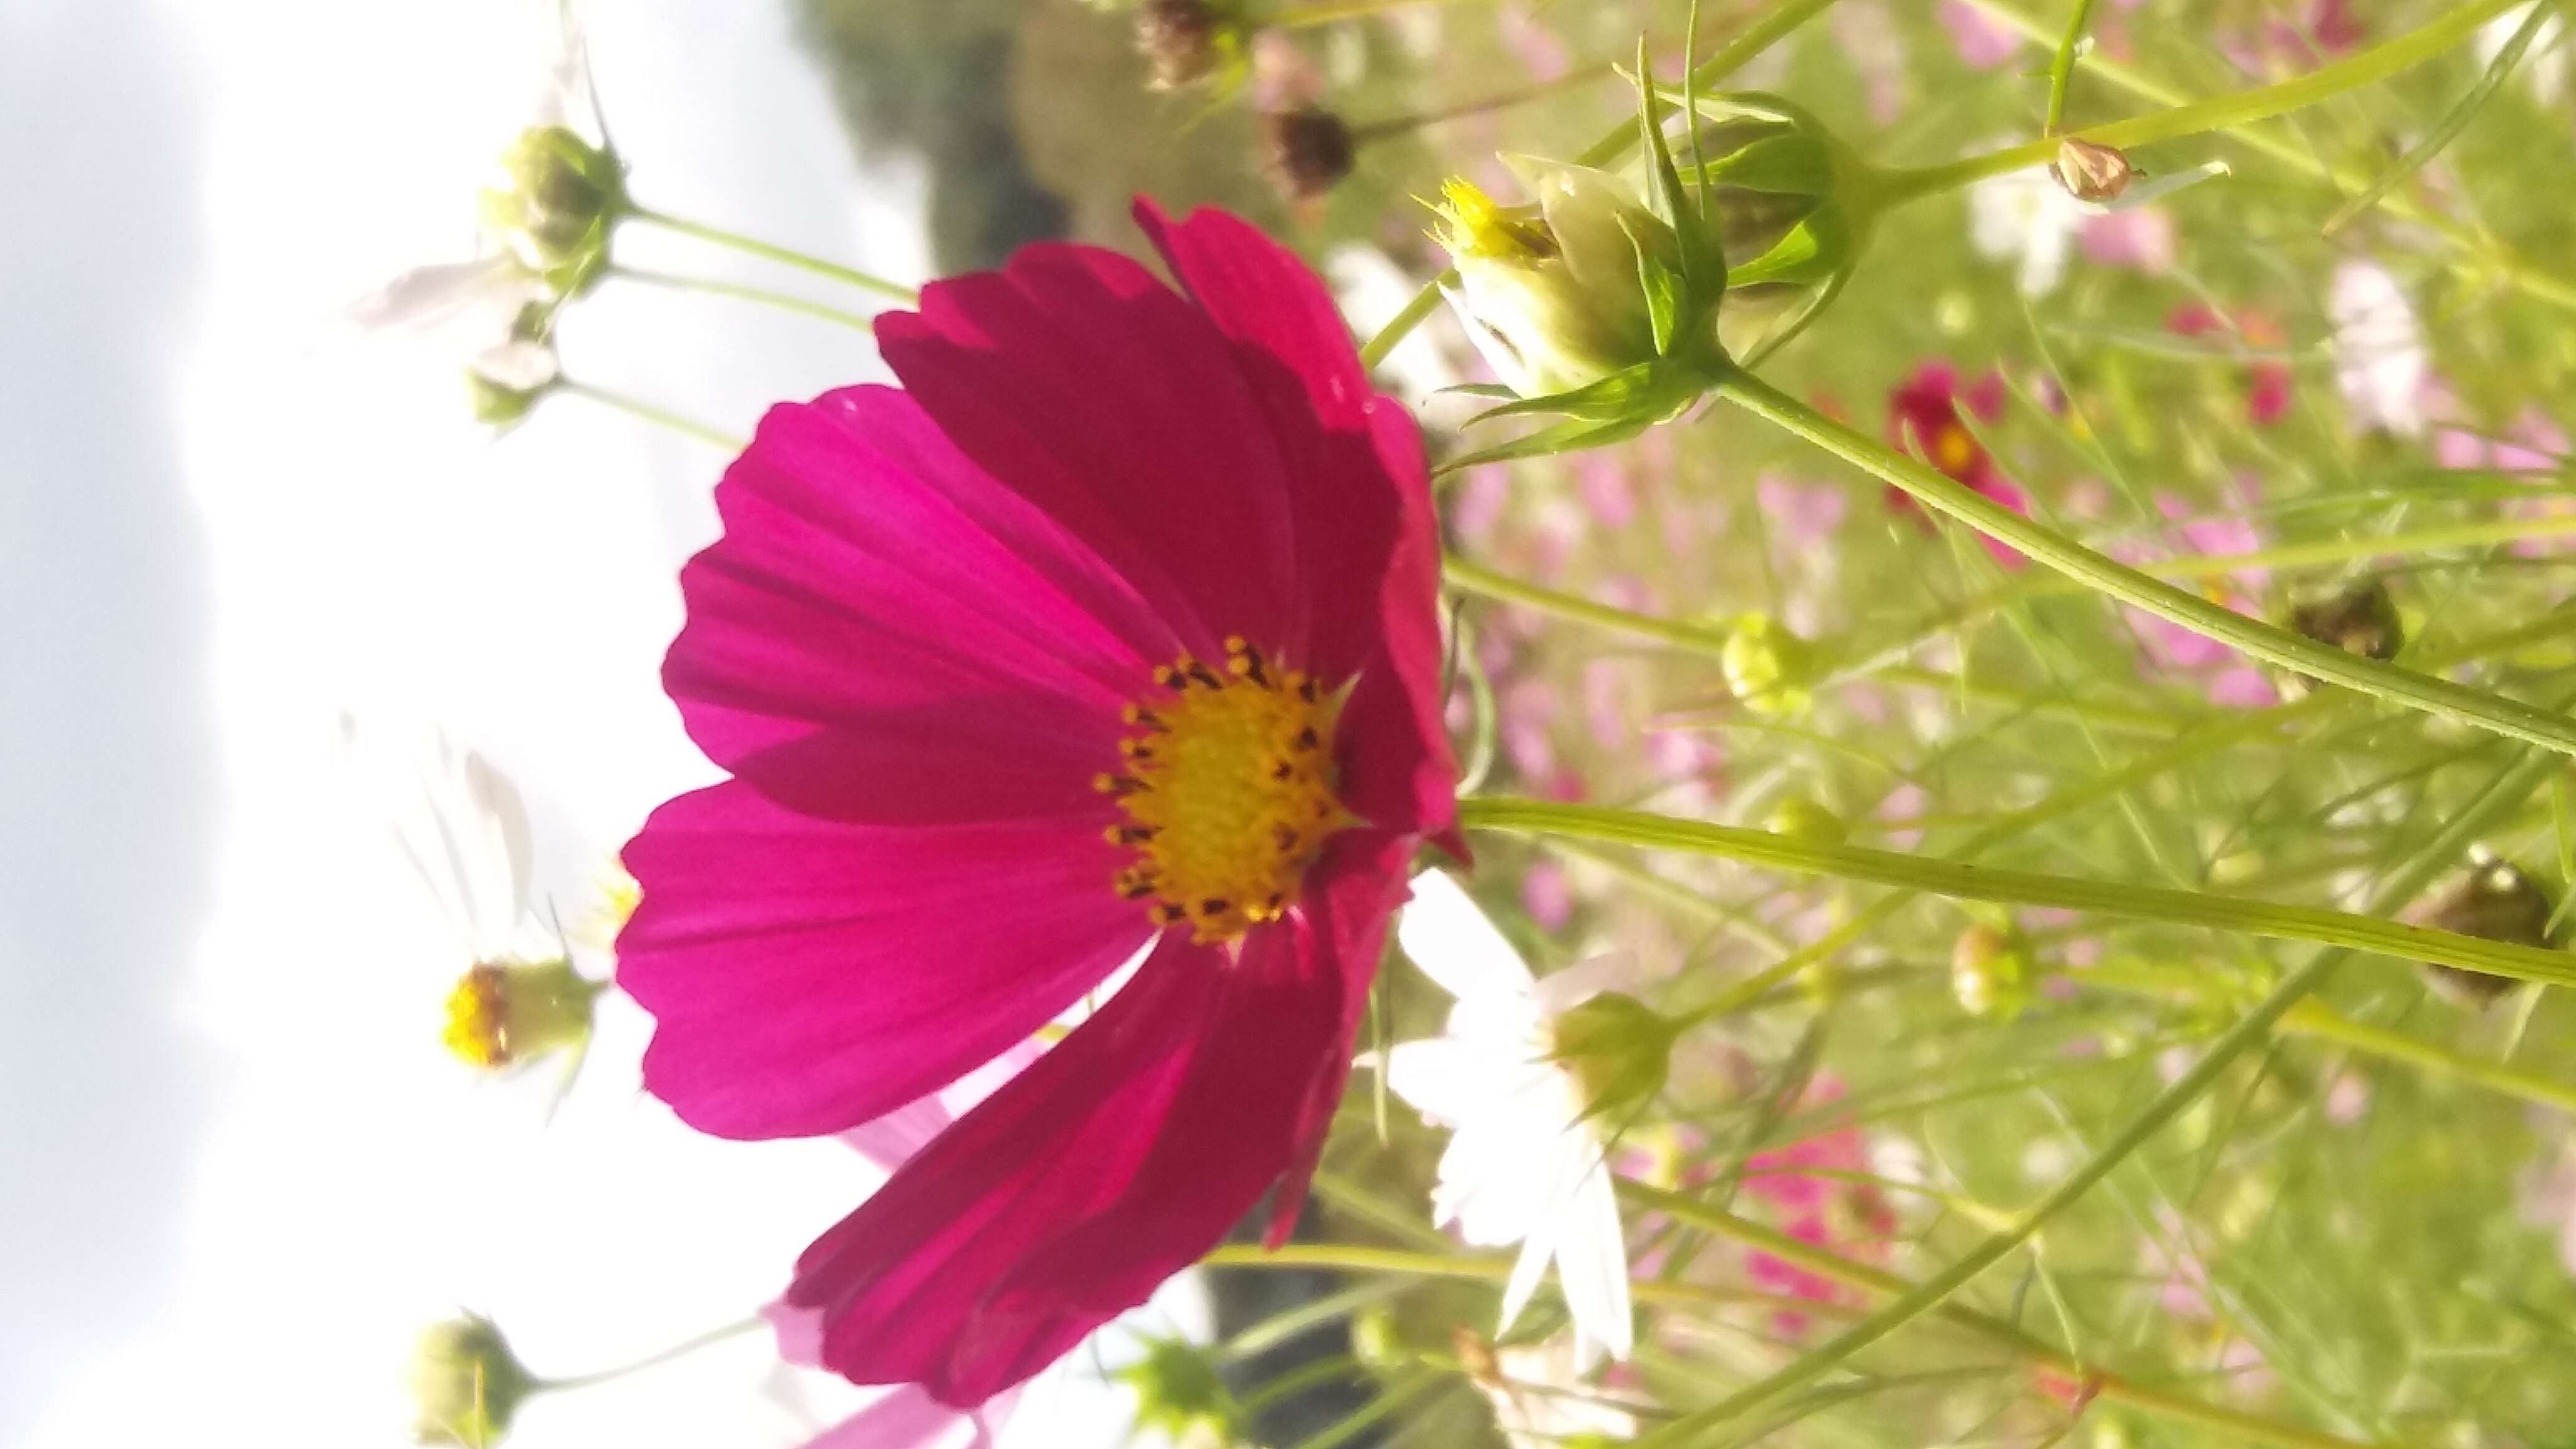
{"x":1525,"y":1162}
{"x":461,"y":828}
{"x":2380,"y":362}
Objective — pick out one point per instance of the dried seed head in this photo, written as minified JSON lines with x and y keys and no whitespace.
{"x":2090,"y":172}
{"x":1310,"y":150}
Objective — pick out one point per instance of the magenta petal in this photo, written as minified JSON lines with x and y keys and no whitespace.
{"x":1109,"y":403}
{"x":907,"y":1418}
{"x":807,"y":976}
{"x":884,"y":633}
{"x":1118,"y":1159}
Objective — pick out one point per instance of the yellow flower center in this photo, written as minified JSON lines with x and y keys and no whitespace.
{"x":1955,"y":450}
{"x":1473,"y":224}
{"x":1228,"y":792}
{"x":478,"y":1031}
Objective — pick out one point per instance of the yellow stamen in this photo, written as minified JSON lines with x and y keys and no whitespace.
{"x":1473,"y":224}
{"x":1955,"y":450}
{"x":1227,"y":791}
{"x":478,"y":1019}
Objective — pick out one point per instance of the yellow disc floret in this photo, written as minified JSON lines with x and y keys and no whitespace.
{"x":1473,"y":224}
{"x":1228,"y":792}
{"x":478,"y":1019}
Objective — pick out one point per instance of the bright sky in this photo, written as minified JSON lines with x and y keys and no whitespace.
{"x":371,"y":551}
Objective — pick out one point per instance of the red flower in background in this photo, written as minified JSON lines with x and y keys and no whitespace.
{"x":1111,"y":636}
{"x":2267,"y":381}
{"x":1923,"y":418}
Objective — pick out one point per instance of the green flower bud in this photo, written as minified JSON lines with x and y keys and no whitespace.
{"x":1377,"y":1340}
{"x":1179,"y":1392}
{"x":1790,"y":209}
{"x":1767,"y":668}
{"x":1990,"y":971}
{"x":466,"y":1383}
{"x":559,"y":202}
{"x":1800,"y":818}
{"x":1619,"y":1049}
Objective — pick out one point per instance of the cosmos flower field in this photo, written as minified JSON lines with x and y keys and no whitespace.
{"x":1795,"y":722}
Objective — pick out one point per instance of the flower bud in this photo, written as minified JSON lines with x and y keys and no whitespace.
{"x":1555,"y":294}
{"x":1787,"y":211}
{"x":2496,"y":902}
{"x":1310,"y":150}
{"x":560,"y":199}
{"x":1377,"y":1339}
{"x":1179,"y":1393}
{"x":1767,"y":667}
{"x":466,"y":1383}
{"x":1803,"y":819}
{"x":1618,"y":1049}
{"x":1990,"y":971}
{"x":2091,"y":172}
{"x":501,"y":1016}
{"x":2360,"y":619}
{"x":504,"y":384}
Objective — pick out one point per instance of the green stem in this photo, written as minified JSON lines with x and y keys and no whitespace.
{"x":2222,"y":113}
{"x":2061,"y":66}
{"x":651,"y":413}
{"x":1826,"y":1263}
{"x":2020,"y":888}
{"x":1486,"y":1268}
{"x":2107,"y":576}
{"x":784,"y":301}
{"x":2300,"y":156}
{"x":892,"y":291}
{"x":1734,"y":55}
{"x":708,"y":1339}
{"x":1424,"y":303}
{"x":1327,"y":12}
{"x":2502,"y":797}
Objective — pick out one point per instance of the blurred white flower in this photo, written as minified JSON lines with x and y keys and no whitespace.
{"x":1541,"y":1402}
{"x":2028,"y":218}
{"x":2380,"y":362}
{"x":460,"y":826}
{"x":1525,"y":1162}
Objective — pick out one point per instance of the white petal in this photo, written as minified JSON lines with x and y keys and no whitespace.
{"x":1440,"y":1078}
{"x":518,"y":366}
{"x":424,"y":296}
{"x":1562,"y":991}
{"x":1592,"y":1262}
{"x":1536,"y":1249}
{"x":1453,"y":943}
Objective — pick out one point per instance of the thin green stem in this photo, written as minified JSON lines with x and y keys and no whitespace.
{"x":1329,"y":12}
{"x":650,"y":412}
{"x":2061,"y":66}
{"x":683,"y":1349}
{"x":2107,"y":576}
{"x":2020,"y":888}
{"x":892,"y":291}
{"x":784,"y":301}
{"x":1825,"y":1263}
{"x":2299,"y":156}
{"x":2221,"y":113}
{"x":1424,"y":303}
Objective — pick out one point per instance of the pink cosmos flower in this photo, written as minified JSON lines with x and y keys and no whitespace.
{"x":1806,"y":1185}
{"x":1109,"y":638}
{"x":1980,"y":42}
{"x":2227,"y":677}
{"x":1923,"y":417}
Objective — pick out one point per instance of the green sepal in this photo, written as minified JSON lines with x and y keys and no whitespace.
{"x":1614,"y":396}
{"x":1667,"y":293}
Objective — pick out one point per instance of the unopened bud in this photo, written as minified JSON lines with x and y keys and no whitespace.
{"x":466,"y":1384}
{"x":1768,"y":668}
{"x":2497,"y":901}
{"x":2090,"y":172}
{"x":2359,"y":619}
{"x":1310,"y":150}
{"x":1990,"y":971}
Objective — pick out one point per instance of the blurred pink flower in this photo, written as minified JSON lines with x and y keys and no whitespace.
{"x":1539,"y":49}
{"x":1980,"y":42}
{"x":1799,"y":516}
{"x":2142,"y":239}
{"x":2226,"y":677}
{"x":1808,"y":1187}
{"x":1548,"y":895}
{"x":2268,"y":388}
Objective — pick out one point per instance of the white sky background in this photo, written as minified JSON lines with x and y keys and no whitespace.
{"x":232,"y":1233}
